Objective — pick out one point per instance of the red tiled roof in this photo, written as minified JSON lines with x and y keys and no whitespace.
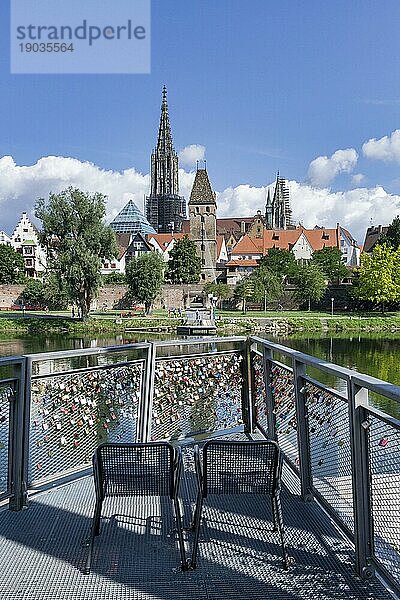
{"x":163,"y":239}
{"x":123,"y":240}
{"x":280,"y":238}
{"x":285,"y":239}
{"x":248,"y":245}
{"x":323,"y":238}
{"x":248,"y":262}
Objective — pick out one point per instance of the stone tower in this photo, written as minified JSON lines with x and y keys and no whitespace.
{"x":278,"y":214}
{"x":203,"y":224}
{"x":165,"y":209}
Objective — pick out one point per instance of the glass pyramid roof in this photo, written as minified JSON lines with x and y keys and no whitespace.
{"x":131,"y":220}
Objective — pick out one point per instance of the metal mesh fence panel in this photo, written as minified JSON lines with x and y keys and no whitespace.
{"x":282,"y":388}
{"x":71,"y":414}
{"x":329,"y":434}
{"x":7,"y":394}
{"x":197,"y":395}
{"x":260,"y":399}
{"x":384,"y":453}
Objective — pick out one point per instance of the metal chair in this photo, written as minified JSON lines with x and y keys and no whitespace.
{"x":235,"y":467}
{"x":142,"y":469}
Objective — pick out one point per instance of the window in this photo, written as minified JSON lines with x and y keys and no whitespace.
{"x":207,"y":209}
{"x":106,"y":265}
{"x":25,"y":230}
{"x":28,"y":262}
{"x":113,"y":266}
{"x":28,"y":250}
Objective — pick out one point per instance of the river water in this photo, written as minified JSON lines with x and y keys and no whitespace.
{"x":373,"y":354}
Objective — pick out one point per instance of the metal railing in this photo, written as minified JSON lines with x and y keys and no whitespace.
{"x":345,"y":450}
{"x":55,"y":408}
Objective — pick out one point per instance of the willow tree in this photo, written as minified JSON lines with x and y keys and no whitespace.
{"x":76,"y":239}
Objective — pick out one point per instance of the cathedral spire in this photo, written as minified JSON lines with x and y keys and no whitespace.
{"x":165,"y":209}
{"x":164,"y":141}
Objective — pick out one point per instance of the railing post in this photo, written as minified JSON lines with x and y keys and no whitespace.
{"x":145,"y":409}
{"x":247,"y":409}
{"x":303,"y":436}
{"x":19,"y":438}
{"x":269,"y":398}
{"x":363,"y":529}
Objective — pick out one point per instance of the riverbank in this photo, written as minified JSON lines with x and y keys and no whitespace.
{"x":278,"y":324}
{"x":282,"y":325}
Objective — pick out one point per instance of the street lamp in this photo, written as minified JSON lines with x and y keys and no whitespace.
{"x":215,"y":300}
{"x":332,"y":301}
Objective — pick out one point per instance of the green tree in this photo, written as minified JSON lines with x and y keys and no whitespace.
{"x":12,"y":266}
{"x":113,"y":278}
{"x":378,"y":276}
{"x":55,"y":293}
{"x":244,"y":290}
{"x":280,"y":261}
{"x":310,"y":284}
{"x":219,"y":290}
{"x":267,"y":284}
{"x":330,"y":261}
{"x":392,"y":235}
{"x":76,"y":239}
{"x":33,"y":294}
{"x":145,"y":276}
{"x":184,"y":265}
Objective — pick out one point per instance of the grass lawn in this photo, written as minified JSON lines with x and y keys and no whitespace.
{"x":299,"y":314}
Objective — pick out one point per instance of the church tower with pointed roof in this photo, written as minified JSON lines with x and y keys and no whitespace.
{"x":278,"y":214}
{"x":203,"y":223}
{"x":165,"y":209}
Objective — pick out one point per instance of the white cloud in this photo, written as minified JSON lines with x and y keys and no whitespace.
{"x":358,"y":178}
{"x":21,"y":186}
{"x":312,"y":206}
{"x":191,"y":154}
{"x":386,"y":148}
{"x":323,"y":170}
{"x":243,"y":200}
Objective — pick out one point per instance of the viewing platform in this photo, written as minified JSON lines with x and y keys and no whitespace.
{"x":198,"y":322}
{"x":340,"y":496}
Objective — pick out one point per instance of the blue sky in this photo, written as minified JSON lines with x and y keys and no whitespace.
{"x":261,"y":85}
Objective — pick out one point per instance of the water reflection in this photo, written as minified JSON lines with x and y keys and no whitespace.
{"x":376,"y":355}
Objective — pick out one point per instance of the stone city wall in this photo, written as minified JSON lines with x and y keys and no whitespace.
{"x":9,"y":295}
{"x":111,"y":296}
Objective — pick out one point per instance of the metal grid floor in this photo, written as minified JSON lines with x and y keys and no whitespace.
{"x":136,"y":556}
